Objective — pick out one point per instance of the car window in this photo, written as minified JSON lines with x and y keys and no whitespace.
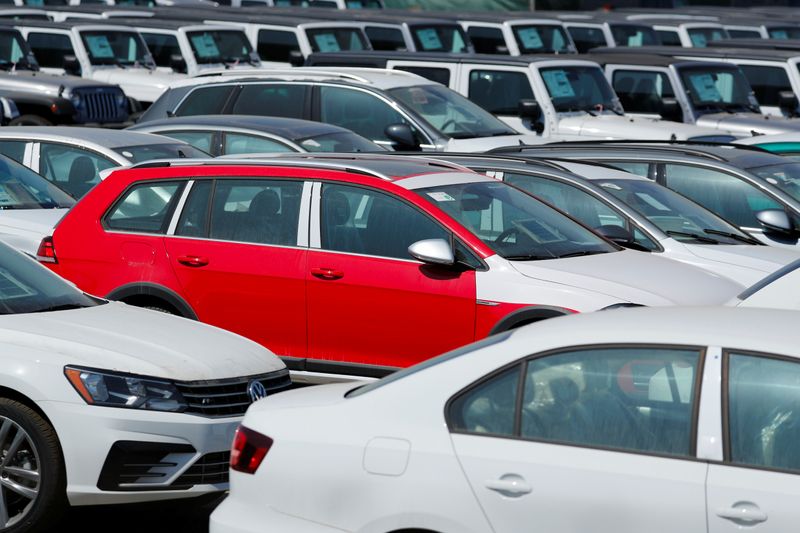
{"x":440,"y":38}
{"x":487,"y":40}
{"x":336,"y":39}
{"x":587,"y":38}
{"x":542,"y":39}
{"x":202,"y":140}
{"x":385,"y":38}
{"x":12,"y":47}
{"x":239,"y":143}
{"x":763,"y":396}
{"x":193,"y":221}
{"x":728,"y":196}
{"x":220,"y":46}
{"x":74,"y":169}
{"x":439,"y":75}
{"x":277,"y":45}
{"x":111,"y":47}
{"x":625,"y":35}
{"x":498,"y":91}
{"x":700,"y":37}
{"x":162,"y":47}
{"x":669,"y":37}
{"x":144,"y":208}
{"x":367,"y":222}
{"x":13,"y":149}
{"x":639,"y":169}
{"x":50,"y":48}
{"x":357,"y":111}
{"x":629,"y":398}
{"x":767,"y":83}
{"x":271,"y":100}
{"x":642,"y":91}
{"x":256,"y":211}
{"x":205,"y":101}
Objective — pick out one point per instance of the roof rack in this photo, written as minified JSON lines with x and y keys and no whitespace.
{"x":348,"y":73}
{"x":551,"y":162}
{"x":169,"y":163}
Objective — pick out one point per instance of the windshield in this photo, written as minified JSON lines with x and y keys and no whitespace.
{"x":440,"y":38}
{"x":220,"y":46}
{"x":700,"y":37}
{"x":450,"y":113}
{"x":22,"y":188}
{"x":339,"y":142}
{"x":672,"y":213}
{"x":149,"y":152}
{"x":14,"y":51}
{"x":545,"y":39}
{"x":785,"y":176}
{"x":28,"y":287}
{"x":580,"y":89}
{"x":629,"y":35}
{"x":109,"y":47}
{"x":336,"y":39}
{"x":712,"y":89}
{"x":514,"y":224}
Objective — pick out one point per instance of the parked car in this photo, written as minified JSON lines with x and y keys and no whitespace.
{"x":244,"y":134}
{"x":75,"y":158}
{"x":685,"y":33}
{"x":583,"y":423}
{"x":420,"y":242}
{"x":591,"y":31}
{"x":103,"y":402}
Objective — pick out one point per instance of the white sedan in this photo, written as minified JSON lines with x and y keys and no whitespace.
{"x":652,"y":420}
{"x":101,"y":402}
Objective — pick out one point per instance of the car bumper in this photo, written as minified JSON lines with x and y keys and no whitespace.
{"x":104,"y":449}
{"x":232,"y":516}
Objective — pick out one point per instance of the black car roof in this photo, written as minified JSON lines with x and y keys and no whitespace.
{"x":714,"y":52}
{"x":290,"y":128}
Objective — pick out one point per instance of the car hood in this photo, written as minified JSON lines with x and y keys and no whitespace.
{"x":749,"y":123}
{"x":765,"y":259}
{"x":481,"y":144}
{"x":618,"y":127}
{"x":635,"y":277}
{"x":115,"y":336}
{"x":139,"y":83}
{"x":24,"y":228}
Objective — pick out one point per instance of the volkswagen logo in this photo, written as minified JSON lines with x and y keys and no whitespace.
{"x":256,"y":390}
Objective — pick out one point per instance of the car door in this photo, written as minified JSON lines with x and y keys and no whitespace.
{"x":757,"y":486}
{"x":73,"y":168}
{"x":369,"y":301}
{"x":586,"y":439}
{"x":239,"y":254}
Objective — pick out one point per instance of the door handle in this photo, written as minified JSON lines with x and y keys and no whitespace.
{"x":327,"y":273}
{"x":510,"y":485}
{"x":743,"y":514}
{"x":193,"y":260}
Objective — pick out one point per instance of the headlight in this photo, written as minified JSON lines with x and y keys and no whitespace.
{"x":113,"y":389}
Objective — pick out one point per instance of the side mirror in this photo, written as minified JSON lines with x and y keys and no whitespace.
{"x":255,"y":59}
{"x":402,"y":137}
{"x":296,"y":58}
{"x":787,"y":101}
{"x":72,"y":65}
{"x":177,"y":63}
{"x":530,"y":109}
{"x":671,"y":110}
{"x":433,"y":252}
{"x":776,"y":221}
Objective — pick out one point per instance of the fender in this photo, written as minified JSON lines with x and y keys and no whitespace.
{"x":521,"y":316}
{"x":157,"y":291}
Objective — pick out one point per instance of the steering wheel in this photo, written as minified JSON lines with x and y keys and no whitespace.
{"x":446,"y":123}
{"x":513,"y":230}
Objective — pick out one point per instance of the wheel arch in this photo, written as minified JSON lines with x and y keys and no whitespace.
{"x":17,"y":396}
{"x":527,"y":315}
{"x":142,"y":293}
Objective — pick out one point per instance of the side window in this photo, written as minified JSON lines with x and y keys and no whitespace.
{"x":488,"y":408}
{"x":639,"y":169}
{"x":75,"y":170}
{"x":256,"y":211}
{"x":13,"y":149}
{"x":277,"y":45}
{"x":194,"y":218}
{"x":642,"y":91}
{"x":202,"y":140}
{"x":767,"y":83}
{"x":357,"y":111}
{"x":385,"y":38}
{"x":763,"y":417}
{"x":499,"y":92}
{"x":238,"y":143}
{"x":50,"y":48}
{"x":205,"y":101}
{"x":669,"y":37}
{"x":587,"y":38}
{"x":336,"y":40}
{"x":162,"y":47}
{"x":728,"y":196}
{"x":367,"y":222}
{"x":628,"y":398}
{"x":487,"y":40}
{"x":145,"y":208}
{"x":271,"y":100}
{"x":439,"y":75}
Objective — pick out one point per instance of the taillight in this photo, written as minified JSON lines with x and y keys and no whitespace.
{"x":46,"y":252}
{"x":249,"y":449}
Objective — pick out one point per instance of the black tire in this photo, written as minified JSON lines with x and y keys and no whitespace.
{"x":41,"y":451}
{"x":160,"y":309}
{"x":30,"y":120}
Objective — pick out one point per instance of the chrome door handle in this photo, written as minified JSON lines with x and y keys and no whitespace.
{"x":743,"y":515}
{"x":510,"y":485}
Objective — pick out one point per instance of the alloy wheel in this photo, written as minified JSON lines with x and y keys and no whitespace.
{"x":19,"y":473}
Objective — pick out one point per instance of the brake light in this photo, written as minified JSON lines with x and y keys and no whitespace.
{"x":249,"y":449}
{"x":46,"y":252}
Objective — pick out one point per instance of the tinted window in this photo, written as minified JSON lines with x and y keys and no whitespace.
{"x":148,"y":152}
{"x":271,"y":100}
{"x":669,"y":37}
{"x":357,"y":111}
{"x":336,"y":40}
{"x":194,"y":218}
{"x":490,"y":407}
{"x":202,"y":140}
{"x":220,"y":46}
{"x":579,"y":88}
{"x":276,"y":45}
{"x":439,"y":75}
{"x":385,"y":38}
{"x":439,"y":39}
{"x":625,"y":35}
{"x":763,"y":418}
{"x":542,"y":39}
{"x":145,"y":208}
{"x":366,"y":222}
{"x":700,"y":37}
{"x":50,"y":48}
{"x":642,"y":91}
{"x":22,"y":188}
{"x":12,"y":47}
{"x":75,"y":170}
{"x":499,"y":92}
{"x":205,"y":101}
{"x":13,"y":149}
{"x":256,"y":211}
{"x":587,"y":38}
{"x":745,"y":34}
{"x":788,"y":32}
{"x":767,"y":83}
{"x":343,"y":141}
{"x":239,"y":143}
{"x":785,"y":176}
{"x":487,"y":40}
{"x":162,"y":47}
{"x":717,"y":88}
{"x":115,"y":47}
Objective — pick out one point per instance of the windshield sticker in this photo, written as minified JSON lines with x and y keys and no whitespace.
{"x":612,"y":186}
{"x":205,"y":46}
{"x":6,"y":198}
{"x":699,"y":40}
{"x":530,"y":38}
{"x":706,"y":89}
{"x":418,"y":96}
{"x":652,"y":201}
{"x":99,"y":46}
{"x":558,"y":84}
{"x":441,"y":197}
{"x":429,"y":39}
{"x":326,"y":42}
{"x":636,"y":39}
{"x":779,"y":34}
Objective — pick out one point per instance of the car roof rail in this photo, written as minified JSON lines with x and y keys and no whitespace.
{"x":352,"y":74}
{"x":546,"y":161}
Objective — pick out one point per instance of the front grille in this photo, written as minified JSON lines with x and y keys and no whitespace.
{"x":228,"y":397}
{"x":100,"y":105}
{"x":210,"y":469}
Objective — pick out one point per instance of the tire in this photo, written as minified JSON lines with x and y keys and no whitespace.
{"x":30,"y":120}
{"x":31,"y":504}
{"x":160,"y":309}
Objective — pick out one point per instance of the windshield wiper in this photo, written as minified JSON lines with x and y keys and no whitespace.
{"x":581,"y":253}
{"x":695,"y":236}
{"x":734,"y":236}
{"x":60,"y":307}
{"x":529,"y":257}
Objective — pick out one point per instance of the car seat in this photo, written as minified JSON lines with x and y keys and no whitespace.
{"x":337,"y":234}
{"x":262,"y":223}
{"x":82,"y":174}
